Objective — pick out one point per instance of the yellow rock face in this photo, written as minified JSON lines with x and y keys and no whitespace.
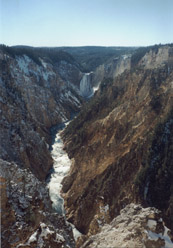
{"x":111,"y":140}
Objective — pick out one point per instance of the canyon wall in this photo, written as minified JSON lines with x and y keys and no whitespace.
{"x":121,"y":146}
{"x":35,"y":94}
{"x":27,"y":219}
{"x":33,"y":98}
{"x":112,"y":68}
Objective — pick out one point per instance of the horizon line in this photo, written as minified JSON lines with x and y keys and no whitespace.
{"x":80,"y":46}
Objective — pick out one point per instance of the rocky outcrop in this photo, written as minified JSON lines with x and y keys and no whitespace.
{"x":111,"y":69}
{"x":158,"y":57}
{"x":134,"y":227}
{"x":121,"y":145}
{"x":33,"y":98}
{"x":27,"y":219}
{"x":150,"y":59}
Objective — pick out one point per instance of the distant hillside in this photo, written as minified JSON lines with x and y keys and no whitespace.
{"x":87,"y":58}
{"x":90,"y":57}
{"x":51,"y":55}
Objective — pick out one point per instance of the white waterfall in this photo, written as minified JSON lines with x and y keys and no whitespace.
{"x":86,"y":89}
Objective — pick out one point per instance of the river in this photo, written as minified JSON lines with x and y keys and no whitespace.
{"x":61,"y":168}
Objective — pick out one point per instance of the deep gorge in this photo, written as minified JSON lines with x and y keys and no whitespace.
{"x":113,"y":144}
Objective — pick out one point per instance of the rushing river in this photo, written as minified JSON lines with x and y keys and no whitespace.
{"x":62,"y":162}
{"x":61,"y":167}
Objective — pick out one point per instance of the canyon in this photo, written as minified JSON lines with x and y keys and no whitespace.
{"x":119,"y":145}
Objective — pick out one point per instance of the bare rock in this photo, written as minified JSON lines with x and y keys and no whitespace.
{"x":27,"y":216}
{"x":33,"y":98}
{"x":132,"y":228}
{"x":121,"y":144}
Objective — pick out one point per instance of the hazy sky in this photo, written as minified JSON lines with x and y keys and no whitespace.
{"x":86,"y":22}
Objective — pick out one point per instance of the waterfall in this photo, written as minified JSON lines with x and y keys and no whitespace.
{"x":86,"y":89}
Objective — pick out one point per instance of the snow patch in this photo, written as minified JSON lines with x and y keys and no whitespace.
{"x":104,"y":209}
{"x":59,"y":238}
{"x":155,"y":236}
{"x":33,"y":238}
{"x":23,"y":63}
{"x":45,"y":231}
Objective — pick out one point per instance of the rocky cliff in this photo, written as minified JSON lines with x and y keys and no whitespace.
{"x":134,"y":227}
{"x":148,"y":58}
{"x":121,"y":146}
{"x":112,"y":68}
{"x":33,"y":98}
{"x":36,"y":93}
{"x":26,"y":216}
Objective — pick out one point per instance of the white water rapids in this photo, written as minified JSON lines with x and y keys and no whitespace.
{"x":61,"y":167}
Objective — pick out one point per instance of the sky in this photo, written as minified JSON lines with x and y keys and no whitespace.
{"x":86,"y":22}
